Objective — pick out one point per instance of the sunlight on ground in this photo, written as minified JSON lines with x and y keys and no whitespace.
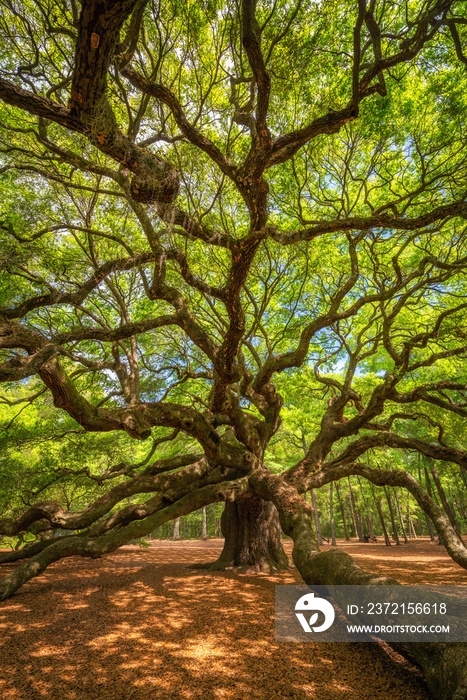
{"x":140,"y":625}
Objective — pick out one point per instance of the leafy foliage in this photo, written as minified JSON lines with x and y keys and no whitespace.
{"x":240,"y":231}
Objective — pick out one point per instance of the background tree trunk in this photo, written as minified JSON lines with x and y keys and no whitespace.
{"x":319,"y":536}
{"x":204,"y":532}
{"x":432,"y":495}
{"x":462,"y":502}
{"x":367,"y":509}
{"x":355,"y":515}
{"x":395,"y":534}
{"x":331,"y":515}
{"x":176,"y":532}
{"x":381,"y":518}
{"x":401,"y":519}
{"x":444,"y":500}
{"x":341,"y":506}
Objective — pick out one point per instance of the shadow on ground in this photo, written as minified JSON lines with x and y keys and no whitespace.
{"x":138,"y":624}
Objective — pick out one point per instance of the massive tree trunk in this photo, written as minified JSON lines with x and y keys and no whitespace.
{"x":253,"y":536}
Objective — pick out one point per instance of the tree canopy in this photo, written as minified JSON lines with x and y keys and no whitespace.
{"x":204,"y":208}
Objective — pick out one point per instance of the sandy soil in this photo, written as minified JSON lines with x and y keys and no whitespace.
{"x":138,"y":624}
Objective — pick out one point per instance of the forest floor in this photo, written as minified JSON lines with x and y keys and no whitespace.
{"x":138,"y":624}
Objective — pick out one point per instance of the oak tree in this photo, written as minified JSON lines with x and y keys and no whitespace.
{"x":200,"y":200}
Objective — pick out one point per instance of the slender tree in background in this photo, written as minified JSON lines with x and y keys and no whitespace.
{"x":444,"y":500}
{"x":367,"y":509}
{"x":427,"y":520}
{"x":356,"y":515}
{"x":461,"y":499}
{"x":410,"y":527}
{"x":341,"y":507}
{"x":401,"y":519}
{"x":176,"y":529}
{"x":318,"y":533}
{"x":331,"y":515}
{"x":199,"y":202}
{"x":204,"y":531}
{"x":377,"y":501}
{"x":395,"y":534}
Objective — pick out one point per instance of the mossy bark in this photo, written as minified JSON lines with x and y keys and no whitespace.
{"x":253,"y":537}
{"x":444,"y":665}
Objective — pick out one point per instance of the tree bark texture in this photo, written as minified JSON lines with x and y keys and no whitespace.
{"x":252,"y":537}
{"x":316,"y":517}
{"x":444,"y":665}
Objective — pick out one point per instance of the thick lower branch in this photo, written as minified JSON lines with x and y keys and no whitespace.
{"x":148,"y":480}
{"x":87,"y":546}
{"x":381,"y":477}
{"x":444,"y":665}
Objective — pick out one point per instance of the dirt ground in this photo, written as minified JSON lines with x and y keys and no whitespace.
{"x":138,"y":624}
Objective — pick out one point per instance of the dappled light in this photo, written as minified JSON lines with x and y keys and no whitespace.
{"x":141,"y":624}
{"x":418,"y":562}
{"x":233,"y":283}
